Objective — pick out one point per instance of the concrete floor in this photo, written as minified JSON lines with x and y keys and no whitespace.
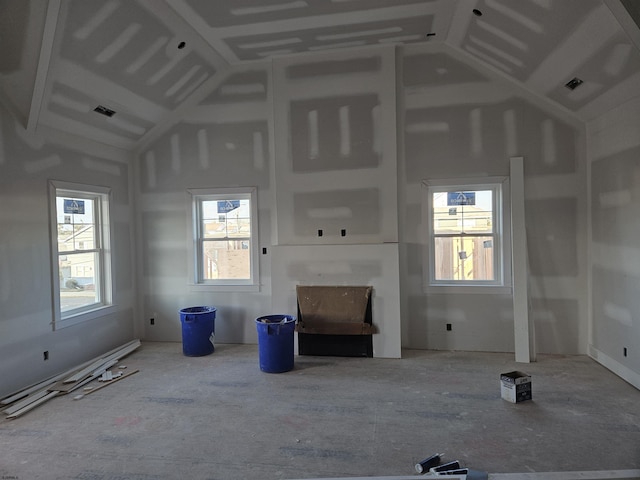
{"x":220,"y":417}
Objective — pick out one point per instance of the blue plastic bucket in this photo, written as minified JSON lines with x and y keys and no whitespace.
{"x":275,"y":342}
{"x":198,"y":330}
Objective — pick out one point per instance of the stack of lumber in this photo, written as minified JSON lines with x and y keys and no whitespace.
{"x":25,"y":400}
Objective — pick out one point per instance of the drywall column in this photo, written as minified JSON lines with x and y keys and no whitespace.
{"x":524,"y":345}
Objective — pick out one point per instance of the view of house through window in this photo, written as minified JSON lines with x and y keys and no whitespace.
{"x":226,"y":239}
{"x":224,"y":236}
{"x":465,"y":233}
{"x":81,"y":235}
{"x":78,"y":256}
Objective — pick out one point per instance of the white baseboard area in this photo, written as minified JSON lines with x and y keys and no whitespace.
{"x":623,"y":372}
{"x":587,"y":475}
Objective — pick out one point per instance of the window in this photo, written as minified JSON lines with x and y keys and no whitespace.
{"x":224,"y":237}
{"x":81,"y":253}
{"x":467,"y":240}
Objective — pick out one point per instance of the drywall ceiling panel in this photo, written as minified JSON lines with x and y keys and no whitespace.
{"x":515,"y":37}
{"x":613,"y":68}
{"x":258,"y":46}
{"x":225,"y":13}
{"x":123,"y":43}
{"x":154,"y":59}
{"x":21,"y":26}
{"x":115,"y":54}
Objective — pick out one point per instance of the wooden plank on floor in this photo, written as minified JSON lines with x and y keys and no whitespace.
{"x":116,"y":354}
{"x":33,"y":405}
{"x":106,"y":384}
{"x":64,"y":387}
{"x":28,"y":400}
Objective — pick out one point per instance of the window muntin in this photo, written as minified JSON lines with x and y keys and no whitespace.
{"x":465,"y":234}
{"x":224,"y":236}
{"x":81,"y":239}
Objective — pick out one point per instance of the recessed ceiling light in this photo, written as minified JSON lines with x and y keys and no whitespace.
{"x":104,"y":111}
{"x":477,"y":12}
{"x":574,"y":83}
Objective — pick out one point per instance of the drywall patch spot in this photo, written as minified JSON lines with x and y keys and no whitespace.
{"x":316,"y":123}
{"x":101,"y":166}
{"x":258,"y":151}
{"x":46,"y":163}
{"x":175,"y":152}
{"x":150,"y":163}
{"x":620,"y":314}
{"x":5,"y":279}
{"x":548,"y":142}
{"x":338,"y":67}
{"x":616,"y":199}
{"x":2,"y":155}
{"x":98,"y":19}
{"x":203,"y":148}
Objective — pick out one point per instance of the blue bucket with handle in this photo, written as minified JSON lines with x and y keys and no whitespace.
{"x":198,"y":330}
{"x":275,"y":342}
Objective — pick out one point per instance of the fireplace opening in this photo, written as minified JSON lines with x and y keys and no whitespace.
{"x":335,"y":321}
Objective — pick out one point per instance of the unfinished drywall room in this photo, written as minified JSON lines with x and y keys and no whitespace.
{"x":476,"y":163}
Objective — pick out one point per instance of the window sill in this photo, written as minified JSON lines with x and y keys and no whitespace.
{"x":208,"y":287}
{"x":82,"y":317}
{"x":468,"y":290}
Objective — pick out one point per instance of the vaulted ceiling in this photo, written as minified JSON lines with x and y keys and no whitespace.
{"x":150,"y":60}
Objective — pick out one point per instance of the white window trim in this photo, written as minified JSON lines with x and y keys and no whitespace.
{"x":193,"y":195}
{"x":503,"y":285}
{"x":105,"y":307}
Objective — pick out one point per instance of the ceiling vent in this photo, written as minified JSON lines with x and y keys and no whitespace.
{"x":574,"y":83}
{"x":104,"y":111}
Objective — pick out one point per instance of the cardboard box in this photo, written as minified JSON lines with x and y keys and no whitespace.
{"x":515,"y":386}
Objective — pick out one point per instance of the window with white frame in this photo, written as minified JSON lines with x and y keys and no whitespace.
{"x":224,"y":228}
{"x":81,"y":264}
{"x":467,"y":242}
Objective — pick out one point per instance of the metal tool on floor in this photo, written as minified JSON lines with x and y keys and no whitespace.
{"x":428,"y":463}
{"x":431,"y":467}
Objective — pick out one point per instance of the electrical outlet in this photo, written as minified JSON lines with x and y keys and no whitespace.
{"x":45,"y":355}
{"x":152,"y":321}
{"x":448,"y":327}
